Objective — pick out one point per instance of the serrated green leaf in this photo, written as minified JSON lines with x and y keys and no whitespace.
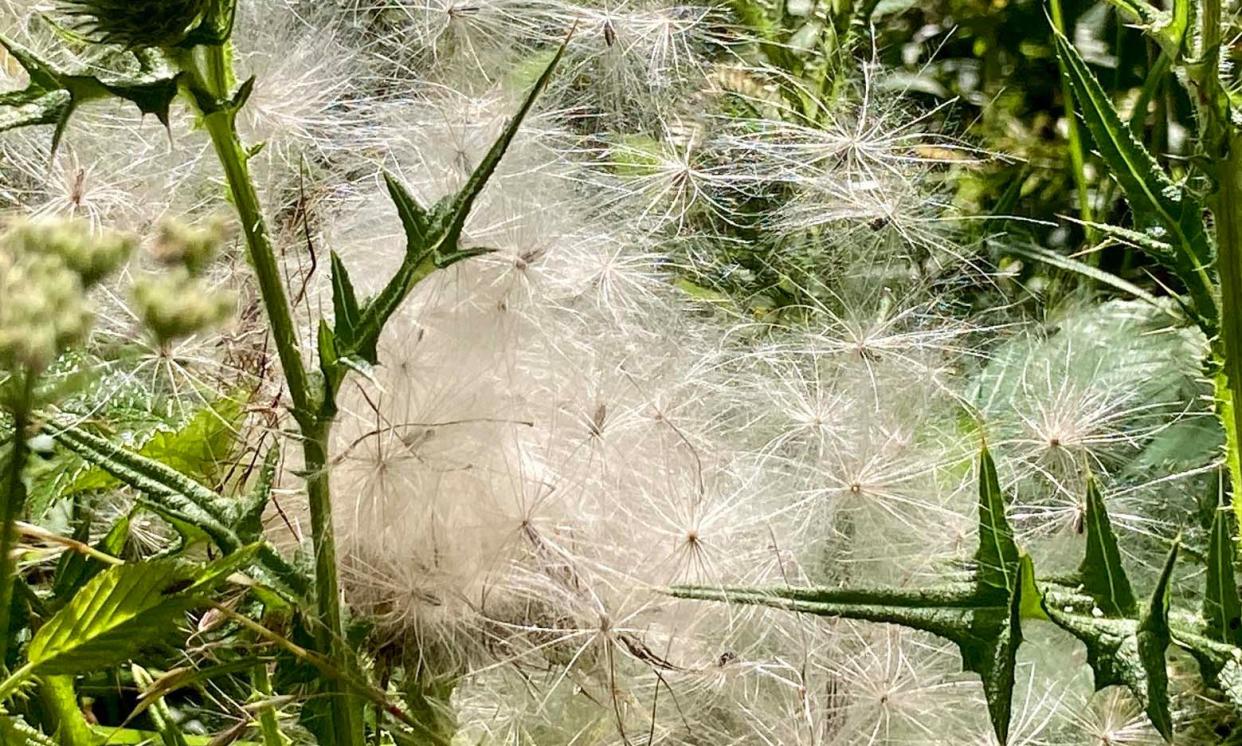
{"x":1102,"y":575}
{"x":1130,"y":652}
{"x":1161,"y":208}
{"x":996,"y":559}
{"x":119,"y":612}
{"x":1222,"y":607}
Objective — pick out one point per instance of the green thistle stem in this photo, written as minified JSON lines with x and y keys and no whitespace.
{"x":212,"y":81}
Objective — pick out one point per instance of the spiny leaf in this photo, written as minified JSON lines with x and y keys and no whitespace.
{"x":55,"y":93}
{"x":985,"y":627}
{"x":1222,"y":607}
{"x":176,"y":497}
{"x":1130,"y":652}
{"x":415,"y":221}
{"x":432,"y":237}
{"x":996,"y":559}
{"x":1101,"y":572}
{"x":344,"y":300}
{"x":1159,"y":205}
{"x":452,"y":214}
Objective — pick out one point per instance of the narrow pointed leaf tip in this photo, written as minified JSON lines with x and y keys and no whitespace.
{"x":996,"y":559}
{"x":1101,"y":572}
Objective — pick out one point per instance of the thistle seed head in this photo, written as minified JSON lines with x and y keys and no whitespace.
{"x":137,"y":23}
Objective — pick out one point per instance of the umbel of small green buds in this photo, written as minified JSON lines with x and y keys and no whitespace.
{"x":46,"y":267}
{"x":192,"y":247}
{"x":180,"y":303}
{"x":137,"y":23}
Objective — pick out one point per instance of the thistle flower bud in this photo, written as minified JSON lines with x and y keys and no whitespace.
{"x":92,"y":257}
{"x":192,"y":247}
{"x":137,"y":23}
{"x":177,"y":305}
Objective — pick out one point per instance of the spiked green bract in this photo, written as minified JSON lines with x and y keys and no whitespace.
{"x":1126,"y":642}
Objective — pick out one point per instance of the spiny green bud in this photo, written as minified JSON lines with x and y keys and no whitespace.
{"x":91,"y":255}
{"x":137,"y":23}
{"x":43,"y":310}
{"x":192,"y":247}
{"x":177,"y":304}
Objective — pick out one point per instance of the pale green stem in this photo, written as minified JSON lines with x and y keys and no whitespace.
{"x":269,"y":724}
{"x":214,"y":79}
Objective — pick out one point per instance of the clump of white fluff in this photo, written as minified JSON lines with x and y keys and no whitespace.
{"x":562,"y":427}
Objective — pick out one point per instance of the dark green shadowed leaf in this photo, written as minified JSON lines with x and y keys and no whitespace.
{"x":1161,"y":208}
{"x":76,"y":568}
{"x":1102,"y":575}
{"x":182,"y":501}
{"x":1128,"y":652}
{"x":996,"y":559}
{"x":1221,"y":605}
{"x":54,"y":93}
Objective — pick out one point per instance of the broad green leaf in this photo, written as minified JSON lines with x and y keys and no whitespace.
{"x":996,"y":559}
{"x":121,"y":611}
{"x":1102,"y":575}
{"x":1130,"y":652}
{"x":1222,"y":607}
{"x":1162,"y":209}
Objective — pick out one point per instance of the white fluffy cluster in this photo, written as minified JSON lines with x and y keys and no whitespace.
{"x":559,"y":429}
